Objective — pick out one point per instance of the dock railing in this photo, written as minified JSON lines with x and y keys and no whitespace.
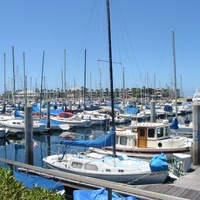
{"x":87,"y":182}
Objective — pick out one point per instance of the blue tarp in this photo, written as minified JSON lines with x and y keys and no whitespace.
{"x":132,"y":110}
{"x":168,"y":108}
{"x":100,"y":194}
{"x":17,"y":114}
{"x":35,"y":109}
{"x":159,"y":163}
{"x":32,"y":180}
{"x":100,"y":142}
{"x":174,"y":124}
{"x":52,"y":122}
{"x":3,"y":111}
{"x":54,"y":111}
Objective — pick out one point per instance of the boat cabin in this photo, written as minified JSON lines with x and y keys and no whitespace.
{"x":143,"y":135}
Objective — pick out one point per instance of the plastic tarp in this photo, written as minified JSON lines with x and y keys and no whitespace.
{"x":168,"y":108}
{"x":54,"y":111}
{"x":35,"y":109}
{"x":159,"y":163}
{"x":100,"y":194}
{"x":3,"y":111}
{"x":174,"y":124}
{"x":52,"y":122}
{"x":31,"y":181}
{"x":132,"y":110}
{"x":148,"y":107}
{"x":98,"y":143}
{"x":17,"y":114}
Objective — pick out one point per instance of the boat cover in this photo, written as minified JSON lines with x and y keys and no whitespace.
{"x":174,"y":124}
{"x":132,"y":110}
{"x":98,"y":143}
{"x":35,"y":109}
{"x":159,"y":163}
{"x":168,"y":108}
{"x":17,"y":114}
{"x":3,"y":111}
{"x":100,"y":194}
{"x":31,"y":181}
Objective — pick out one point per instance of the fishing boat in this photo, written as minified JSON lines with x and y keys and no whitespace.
{"x":104,"y":165}
{"x":146,"y":139}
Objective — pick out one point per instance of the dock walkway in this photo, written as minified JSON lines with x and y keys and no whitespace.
{"x":188,"y":186}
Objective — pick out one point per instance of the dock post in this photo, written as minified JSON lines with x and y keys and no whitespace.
{"x":196,"y":133}
{"x":48,"y":115}
{"x":153,"y":114}
{"x":70,"y":105}
{"x":28,"y":134}
{"x":109,"y":193}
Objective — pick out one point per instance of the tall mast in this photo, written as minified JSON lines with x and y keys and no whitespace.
{"x":123,"y":89}
{"x":84,"y":89}
{"x":175,"y":84}
{"x":41,"y":84}
{"x":111,"y":72}
{"x":25,"y":81}
{"x":65,"y":73}
{"x":13,"y":74}
{"x":4,"y":78}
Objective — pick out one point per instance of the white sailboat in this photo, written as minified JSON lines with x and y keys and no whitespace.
{"x":101,"y":164}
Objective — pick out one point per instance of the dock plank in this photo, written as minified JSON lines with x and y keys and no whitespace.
{"x":185,"y":187}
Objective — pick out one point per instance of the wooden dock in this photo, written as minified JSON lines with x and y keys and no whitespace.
{"x":187,"y":187}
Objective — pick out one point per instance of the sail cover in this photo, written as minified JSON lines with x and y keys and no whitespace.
{"x":17,"y":114}
{"x":174,"y":124}
{"x":98,"y":143}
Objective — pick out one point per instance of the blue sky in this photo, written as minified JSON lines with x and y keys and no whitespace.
{"x":141,"y":42}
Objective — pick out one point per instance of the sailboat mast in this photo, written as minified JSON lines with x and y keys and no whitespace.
{"x":25,"y":81}
{"x":65,"y":74}
{"x":111,"y":72}
{"x":41,"y":94}
{"x":13,"y":75}
{"x":84,"y":89}
{"x":175,"y":84}
{"x":4,"y":78}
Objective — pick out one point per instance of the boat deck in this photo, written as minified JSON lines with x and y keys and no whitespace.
{"x":186,"y":187}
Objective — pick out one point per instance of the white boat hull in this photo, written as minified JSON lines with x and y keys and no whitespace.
{"x":140,"y":176}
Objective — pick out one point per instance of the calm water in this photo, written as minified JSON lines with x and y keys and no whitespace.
{"x":14,"y":148}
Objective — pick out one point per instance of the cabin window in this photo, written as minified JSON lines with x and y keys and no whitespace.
{"x":151,"y":133}
{"x":160,"y":132}
{"x":120,"y":170}
{"x":166,"y":131}
{"x":108,"y":170}
{"x":142,"y":133}
{"x":91,"y":167}
{"x":116,"y":139}
{"x":134,"y":130}
{"x":123,"y":140}
{"x":77,"y":165}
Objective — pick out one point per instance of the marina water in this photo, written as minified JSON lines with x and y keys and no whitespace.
{"x":13,"y":148}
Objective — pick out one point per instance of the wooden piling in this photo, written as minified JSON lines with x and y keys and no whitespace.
{"x":153,"y":115}
{"x":28,"y":135}
{"x":196,"y":133}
